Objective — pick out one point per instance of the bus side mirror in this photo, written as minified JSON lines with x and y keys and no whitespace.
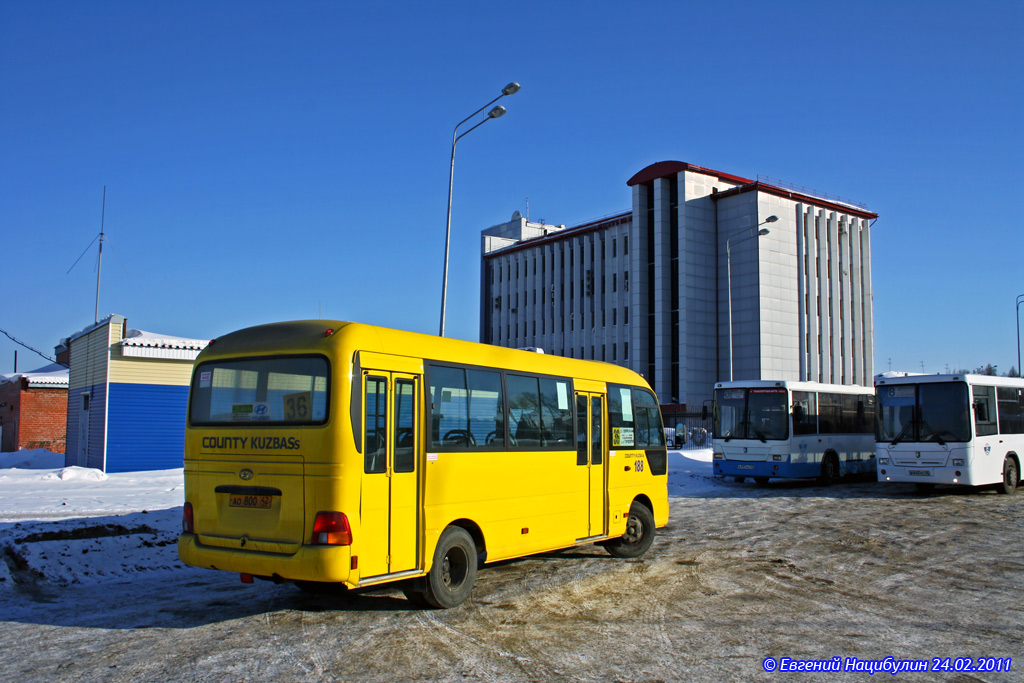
{"x":798,"y":413}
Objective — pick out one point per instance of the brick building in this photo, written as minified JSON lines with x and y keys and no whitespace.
{"x":33,"y":409}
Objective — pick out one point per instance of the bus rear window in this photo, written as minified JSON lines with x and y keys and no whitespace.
{"x":287,"y":390}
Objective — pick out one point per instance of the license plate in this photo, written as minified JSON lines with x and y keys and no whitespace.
{"x":919,"y":473}
{"x":236,"y":500}
{"x":744,"y":467}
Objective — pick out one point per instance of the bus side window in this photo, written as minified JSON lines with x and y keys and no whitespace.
{"x":984,"y":416}
{"x":524,"y":410}
{"x":1011,"y":419}
{"x":805,"y":413}
{"x":449,"y":419}
{"x":486,"y":408}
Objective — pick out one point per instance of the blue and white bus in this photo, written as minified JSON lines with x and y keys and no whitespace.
{"x":950,"y":429}
{"x":792,"y":430}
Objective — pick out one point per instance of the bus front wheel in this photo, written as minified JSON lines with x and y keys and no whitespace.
{"x":639,"y":533}
{"x":829,"y":470}
{"x":453,"y":573}
{"x":1009,"y":484}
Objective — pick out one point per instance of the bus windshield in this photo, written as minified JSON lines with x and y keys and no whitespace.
{"x":934,"y":411}
{"x":754,"y":413}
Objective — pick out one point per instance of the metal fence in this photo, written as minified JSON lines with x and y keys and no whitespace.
{"x":687,"y":431}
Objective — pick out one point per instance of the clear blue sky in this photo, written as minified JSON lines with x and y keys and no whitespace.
{"x":269,"y":161}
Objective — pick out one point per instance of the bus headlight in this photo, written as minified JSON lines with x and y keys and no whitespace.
{"x":718,"y":455}
{"x":958,"y":462}
{"x":777,"y":458}
{"x":883,"y":461}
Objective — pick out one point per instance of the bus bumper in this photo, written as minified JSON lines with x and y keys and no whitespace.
{"x":929,"y":475}
{"x":783,"y":470}
{"x":310,"y":563}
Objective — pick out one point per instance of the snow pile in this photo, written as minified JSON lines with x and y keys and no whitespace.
{"x":40,"y":555}
{"x":75,"y":473}
{"x":33,"y":459}
{"x":76,"y":525}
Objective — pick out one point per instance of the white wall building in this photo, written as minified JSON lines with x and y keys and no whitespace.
{"x":649,"y":289}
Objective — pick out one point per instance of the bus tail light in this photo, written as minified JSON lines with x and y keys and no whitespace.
{"x":331,"y":528}
{"x":187,"y":520}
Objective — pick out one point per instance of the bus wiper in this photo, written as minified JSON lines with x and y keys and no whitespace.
{"x":759,"y":434}
{"x":732,"y":433}
{"x":925,"y":425}
{"x":903,"y":432}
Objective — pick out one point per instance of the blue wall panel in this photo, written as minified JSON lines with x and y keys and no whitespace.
{"x":146,"y":427}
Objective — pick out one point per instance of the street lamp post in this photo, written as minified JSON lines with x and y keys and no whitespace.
{"x":510,"y":89}
{"x":1020,"y":300}
{"x":728,"y":276}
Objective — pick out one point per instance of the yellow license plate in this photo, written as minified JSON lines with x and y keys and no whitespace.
{"x":236,"y":500}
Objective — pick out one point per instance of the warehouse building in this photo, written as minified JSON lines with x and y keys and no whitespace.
{"x":701,"y":253}
{"x":127,"y":397}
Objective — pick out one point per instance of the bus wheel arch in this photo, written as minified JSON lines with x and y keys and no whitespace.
{"x":1011,"y":474}
{"x":476,"y":534}
{"x":640,"y":531}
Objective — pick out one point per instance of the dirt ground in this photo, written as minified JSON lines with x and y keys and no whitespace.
{"x":858,"y":570}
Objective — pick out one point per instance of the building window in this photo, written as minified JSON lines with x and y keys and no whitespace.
{"x":613,"y":248}
{"x":615,"y":352}
{"x":615,"y":282}
{"x":625,"y":244}
{"x":615,"y":316}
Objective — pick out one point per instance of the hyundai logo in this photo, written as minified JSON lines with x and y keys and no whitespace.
{"x":245,"y":474}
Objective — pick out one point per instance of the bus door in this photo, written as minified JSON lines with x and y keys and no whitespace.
{"x":389,"y":508}
{"x":591,"y":452}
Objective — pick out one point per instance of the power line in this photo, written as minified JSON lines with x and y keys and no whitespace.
{"x":18,"y":341}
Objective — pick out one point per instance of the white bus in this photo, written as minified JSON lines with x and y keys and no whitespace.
{"x":792,"y":430}
{"x":950,"y":429}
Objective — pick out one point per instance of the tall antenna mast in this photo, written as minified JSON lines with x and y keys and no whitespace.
{"x":99,"y":263}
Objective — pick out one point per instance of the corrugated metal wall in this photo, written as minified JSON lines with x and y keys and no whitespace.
{"x":132,"y":370}
{"x":146,"y":427}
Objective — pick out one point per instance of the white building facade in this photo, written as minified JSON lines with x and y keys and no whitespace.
{"x":650,"y":289}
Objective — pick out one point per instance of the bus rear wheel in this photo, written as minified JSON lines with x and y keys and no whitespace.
{"x":639,"y":533}
{"x":453,"y":573}
{"x":1009,"y":484}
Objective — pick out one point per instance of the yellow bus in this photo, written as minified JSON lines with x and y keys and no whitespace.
{"x":337,"y":454}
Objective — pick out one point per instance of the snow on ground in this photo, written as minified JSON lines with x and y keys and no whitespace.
{"x":61,"y":526}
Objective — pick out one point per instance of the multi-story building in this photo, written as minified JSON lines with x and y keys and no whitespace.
{"x":659,"y":288}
